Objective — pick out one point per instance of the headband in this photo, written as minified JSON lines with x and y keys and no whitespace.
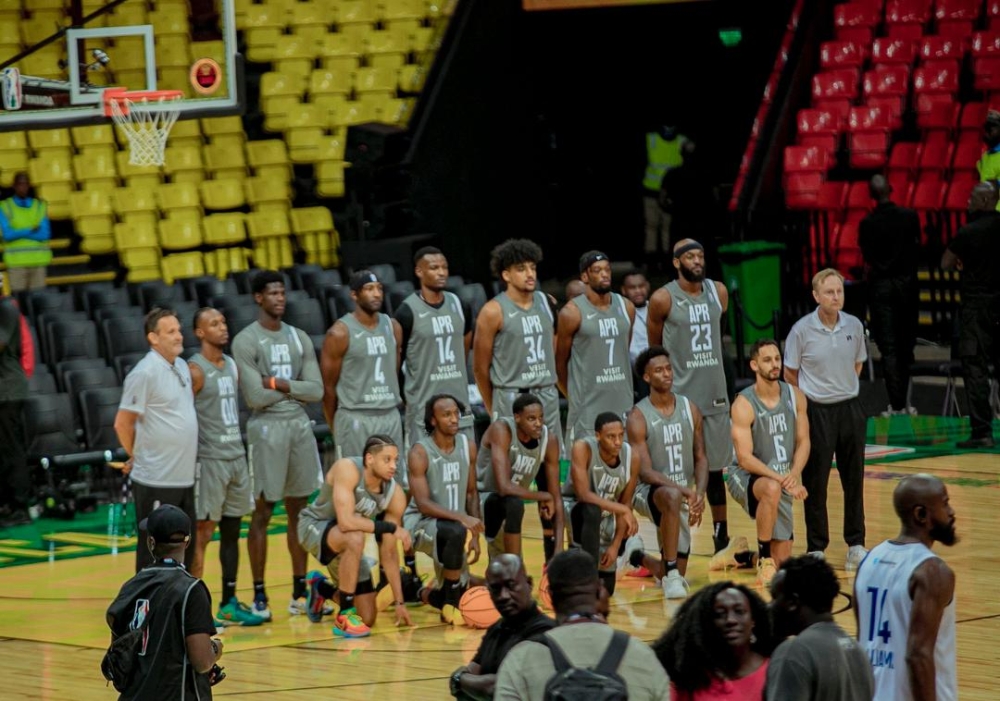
{"x":693,"y":246}
{"x":362,"y":278}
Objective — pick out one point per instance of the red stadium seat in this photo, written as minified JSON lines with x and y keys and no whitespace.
{"x":987,"y":74}
{"x":903,"y":158}
{"x":959,"y":188}
{"x":937,"y":77}
{"x":887,"y":51}
{"x":936,"y":48}
{"x":967,"y":10}
{"x":936,"y":153}
{"x":968,"y":151}
{"x":892,"y":106}
{"x":985,"y":44}
{"x":928,"y":194}
{"x":827,"y":142}
{"x":805,"y":159}
{"x":856,"y":14}
{"x":802,"y":189}
{"x":847,"y":256}
{"x":907,"y":12}
{"x":862,"y":36}
{"x":901,"y":187}
{"x":841,"y":84}
{"x":832,"y":196}
{"x":858,"y":197}
{"x":814,"y":121}
{"x":887,"y":81}
{"x":993,"y":13}
{"x":868,"y":149}
{"x":840,"y":54}
{"x":973,"y":117}
{"x":936,"y":111}
{"x":865,"y":118}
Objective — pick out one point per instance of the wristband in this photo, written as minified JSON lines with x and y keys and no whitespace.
{"x":274,"y":384}
{"x":383,"y":527}
{"x":399,"y":603}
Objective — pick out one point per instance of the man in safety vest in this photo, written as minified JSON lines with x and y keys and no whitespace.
{"x":24,"y":221}
{"x":663,"y":152}
{"x":989,"y":163}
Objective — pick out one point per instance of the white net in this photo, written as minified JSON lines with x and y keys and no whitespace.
{"x":147,"y":129}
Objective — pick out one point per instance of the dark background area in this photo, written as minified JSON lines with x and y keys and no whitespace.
{"x":536,"y":127}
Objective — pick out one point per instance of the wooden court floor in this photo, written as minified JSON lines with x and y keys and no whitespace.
{"x":52,"y":630}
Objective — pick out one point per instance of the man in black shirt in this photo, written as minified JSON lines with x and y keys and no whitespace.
{"x":15,"y":478}
{"x":510,"y":590}
{"x":975,"y":251}
{"x":178,"y":658}
{"x":890,"y":238}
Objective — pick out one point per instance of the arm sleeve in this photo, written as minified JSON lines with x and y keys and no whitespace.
{"x":787,"y":677}
{"x":793,"y":351}
{"x":250,"y":378}
{"x":135,"y":391}
{"x":404,"y":315}
{"x":310,"y":387}
{"x":470,"y":323}
{"x":198,"y":616}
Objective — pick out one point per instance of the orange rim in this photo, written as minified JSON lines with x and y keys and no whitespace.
{"x":122,"y":96}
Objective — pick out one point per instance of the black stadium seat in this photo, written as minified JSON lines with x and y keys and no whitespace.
{"x":207,"y":288}
{"x":305,"y":314}
{"x":105,"y":297}
{"x":72,"y":339}
{"x":66,"y":366}
{"x":126,"y":335}
{"x":99,"y":405}
{"x":78,"y":381}
{"x":50,"y":426}
{"x":124,"y":363}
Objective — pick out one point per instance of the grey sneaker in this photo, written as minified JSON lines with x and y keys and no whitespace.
{"x":855,"y":554}
{"x":674,"y":586}
{"x":818,"y":554}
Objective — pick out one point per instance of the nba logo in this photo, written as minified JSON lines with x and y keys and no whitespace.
{"x":10,"y":88}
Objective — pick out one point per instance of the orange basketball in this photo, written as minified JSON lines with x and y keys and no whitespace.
{"x":543,"y":592}
{"x":477,"y":608}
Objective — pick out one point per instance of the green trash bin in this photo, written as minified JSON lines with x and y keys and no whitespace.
{"x":754,"y":269}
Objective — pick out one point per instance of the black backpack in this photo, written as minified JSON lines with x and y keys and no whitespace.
{"x":602,"y":683}
{"x":120,"y":661}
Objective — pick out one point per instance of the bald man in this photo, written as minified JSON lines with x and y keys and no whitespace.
{"x":575,"y":288}
{"x":904,"y":599}
{"x":975,"y":251}
{"x":890,"y":241}
{"x":685,"y":317}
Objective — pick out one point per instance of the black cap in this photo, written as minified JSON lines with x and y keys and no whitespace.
{"x":362,"y":278}
{"x":589,"y":258}
{"x":167,"y":524}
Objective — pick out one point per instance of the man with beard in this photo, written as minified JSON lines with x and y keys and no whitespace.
{"x":437,"y":336}
{"x":904,"y":598}
{"x":635,"y":288}
{"x":686,"y":316}
{"x":974,"y":251}
{"x":592,"y":362}
{"x":278,"y":374}
{"x":771,"y":435}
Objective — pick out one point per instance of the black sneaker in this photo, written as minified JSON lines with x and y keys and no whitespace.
{"x":973,"y":443}
{"x":19,"y":517}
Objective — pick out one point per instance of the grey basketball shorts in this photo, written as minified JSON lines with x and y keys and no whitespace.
{"x":312,"y":536}
{"x":718,"y":432}
{"x":351,"y":429}
{"x":283,"y":458}
{"x":642,"y":503}
{"x":740,"y":485}
{"x":222,"y":488}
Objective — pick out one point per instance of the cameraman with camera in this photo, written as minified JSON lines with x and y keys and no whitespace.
{"x":161,"y":622}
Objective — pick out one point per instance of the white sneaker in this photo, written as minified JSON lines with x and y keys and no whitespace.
{"x":632,"y":544}
{"x":260,"y":609}
{"x":766,"y":569}
{"x":674,"y":585}
{"x":818,"y":554}
{"x":725,"y":558}
{"x":855,"y":554}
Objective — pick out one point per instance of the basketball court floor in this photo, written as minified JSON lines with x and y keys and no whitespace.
{"x":53,"y":634}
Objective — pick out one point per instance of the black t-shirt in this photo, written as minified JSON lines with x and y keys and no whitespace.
{"x":506,"y":633}
{"x":13,"y":383}
{"x":977,"y":245}
{"x":889,"y":238}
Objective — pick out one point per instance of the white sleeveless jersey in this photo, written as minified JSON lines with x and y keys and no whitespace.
{"x":884,"y":606}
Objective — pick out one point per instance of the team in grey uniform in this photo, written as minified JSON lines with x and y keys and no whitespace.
{"x":773,"y":433}
{"x":222,"y":477}
{"x":316,"y":520}
{"x":282,"y":451}
{"x":692,"y":334}
{"x":670,"y":441}
{"x":435,"y":362}
{"x":606,"y":482}
{"x":524,"y":359}
{"x":600,"y":377}
{"x":368,"y":389}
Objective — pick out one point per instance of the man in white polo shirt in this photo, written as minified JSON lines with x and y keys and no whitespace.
{"x":824,"y":353}
{"x":158,"y":427}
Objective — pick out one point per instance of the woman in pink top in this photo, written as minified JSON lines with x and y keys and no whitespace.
{"x":717,"y":646}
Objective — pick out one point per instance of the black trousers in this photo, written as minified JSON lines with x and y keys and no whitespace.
{"x":978,"y":347}
{"x":835,"y":428}
{"x":892,"y":304}
{"x":15,"y":478}
{"x":146,"y":500}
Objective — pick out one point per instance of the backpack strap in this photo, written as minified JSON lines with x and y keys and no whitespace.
{"x":614,"y":654}
{"x":559,"y":659}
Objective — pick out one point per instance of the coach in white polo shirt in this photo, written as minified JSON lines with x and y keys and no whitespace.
{"x":824,"y":353}
{"x":158,"y":427}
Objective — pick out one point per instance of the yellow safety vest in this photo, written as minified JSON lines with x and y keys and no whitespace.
{"x":661,"y":156}
{"x":989,"y":169}
{"x":25,"y":253}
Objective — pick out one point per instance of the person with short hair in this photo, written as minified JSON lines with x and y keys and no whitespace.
{"x":24,"y":223}
{"x":824,"y":354}
{"x":635,"y":288}
{"x":594,"y":332}
{"x":821,"y":662}
{"x":157,"y":426}
{"x":513,"y":453}
{"x":359,"y":495}
{"x":904,"y":599}
{"x":278,"y":375}
{"x":179,"y":656}
{"x":604,"y":472}
{"x":583,"y":636}
{"x":510,"y":590}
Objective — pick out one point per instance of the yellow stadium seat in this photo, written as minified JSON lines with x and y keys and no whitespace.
{"x":10,"y":35}
{"x":95,"y":136}
{"x":56,"y":195}
{"x":235,"y":142}
{"x":326,"y":82}
{"x":395,"y":111}
{"x":421,"y":39}
{"x":186,"y":132}
{"x":354,"y":113}
{"x":319,"y":249}
{"x":91,"y":204}
{"x":268,"y":223}
{"x":333,"y":106}
{"x":214,"y":49}
{"x":175,"y":78}
{"x":34,"y":30}
{"x":340,"y":44}
{"x":330,"y":179}
{"x":178,"y":234}
{"x":386,"y":43}
{"x":307,"y":116}
{"x":13,"y":163}
{"x":311,"y":34}
{"x":144,"y":220}
{"x":270,"y":15}
{"x":223,"y":261}
{"x":274,"y":84}
{"x":240,"y":10}
{"x":220,"y":195}
{"x":261,"y":42}
{"x":224,"y":162}
{"x":264,"y":191}
{"x":130,"y":200}
{"x":96,"y":165}
{"x":225,"y":229}
{"x":13,"y":141}
{"x":182,"y":158}
{"x":172,"y":52}
{"x":175,"y":198}
{"x":130,"y":13}
{"x":276,"y":112}
{"x":96,"y":244}
{"x":273,"y":253}
{"x":331,"y":148}
{"x":306,"y":220}
{"x":402,"y":28}
{"x":129,"y":53}
{"x":392,"y":62}
{"x":340,"y":64}
{"x":181,"y":265}
{"x":411,"y":78}
{"x":55,"y":167}
{"x":169,"y":23}
{"x":271,"y":152}
{"x":376,"y":80}
{"x":143,"y":274}
{"x":50,"y":140}
{"x":356,"y":12}
{"x":303,"y":144}
{"x":93,"y":220}
{"x":220,"y":126}
{"x":294,"y":54}
{"x":401,"y":9}
{"x":140,"y":258}
{"x":130,"y":236}
{"x":131,"y":78}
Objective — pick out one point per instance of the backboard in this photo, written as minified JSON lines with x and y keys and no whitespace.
{"x":57,"y":57}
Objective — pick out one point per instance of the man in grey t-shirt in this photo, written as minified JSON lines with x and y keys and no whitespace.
{"x":822,"y":662}
{"x":158,"y":427}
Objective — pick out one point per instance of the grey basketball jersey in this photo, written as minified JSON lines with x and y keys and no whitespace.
{"x":523,"y":350}
{"x":368,"y":375}
{"x":605,"y":481}
{"x":435,"y":352}
{"x":524,"y":462}
{"x":447,"y":474}
{"x":366,"y":503}
{"x":219,"y":435}
{"x":276,"y":353}
{"x":692,"y":334}
{"x":670,"y":440}
{"x":773,"y":430}
{"x":600,"y":378}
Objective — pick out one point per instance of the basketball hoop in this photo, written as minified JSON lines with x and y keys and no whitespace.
{"x":146,"y":118}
